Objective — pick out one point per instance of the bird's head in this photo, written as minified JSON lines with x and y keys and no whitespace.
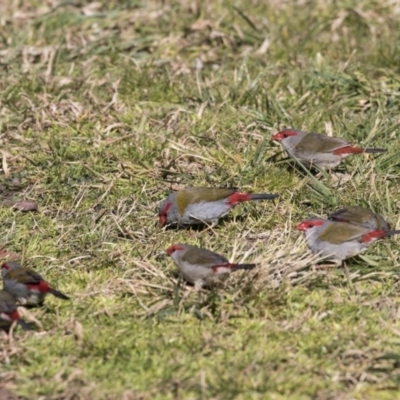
{"x":9,"y":265}
{"x":175,"y":248}
{"x":309,"y":224}
{"x":163,"y":213}
{"x":286,"y":134}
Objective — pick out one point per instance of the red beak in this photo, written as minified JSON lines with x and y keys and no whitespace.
{"x":277,"y":137}
{"x":302,"y":226}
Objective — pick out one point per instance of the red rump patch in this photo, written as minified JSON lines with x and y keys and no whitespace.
{"x":348,"y":150}
{"x":41,"y":286}
{"x":215,"y":268}
{"x":14,"y":316}
{"x":373,"y":235}
{"x":237,"y":198}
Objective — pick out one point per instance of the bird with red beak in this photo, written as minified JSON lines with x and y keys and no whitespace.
{"x":9,"y":312}
{"x":337,"y":241}
{"x":26,"y":285}
{"x":197,"y":205}
{"x":315,"y":149}
{"x":202,"y":267}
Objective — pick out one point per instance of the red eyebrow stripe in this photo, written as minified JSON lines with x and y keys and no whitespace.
{"x":288,"y":132}
{"x":174,"y":247}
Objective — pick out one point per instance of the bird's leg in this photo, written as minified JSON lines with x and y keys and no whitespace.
{"x":327,"y":266}
{"x":347,"y":272}
{"x":211,"y":226}
{"x":198,"y":285}
{"x":335,"y":265}
{"x":22,"y":300}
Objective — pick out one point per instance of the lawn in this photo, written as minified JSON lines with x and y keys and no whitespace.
{"x":108,"y":106}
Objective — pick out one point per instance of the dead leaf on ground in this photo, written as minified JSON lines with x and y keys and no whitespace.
{"x":10,"y":256}
{"x":7,"y":395}
{"x":25,"y":205}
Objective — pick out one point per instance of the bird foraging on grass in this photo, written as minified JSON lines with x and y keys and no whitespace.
{"x":315,"y":149}
{"x":197,"y":205}
{"x":202,"y":267}
{"x":26,"y":285}
{"x":9,"y":312}
{"x":337,"y":241}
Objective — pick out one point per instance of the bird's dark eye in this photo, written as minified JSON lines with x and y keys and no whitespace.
{"x":285,"y":135}
{"x":170,"y":250}
{"x":311,"y":226}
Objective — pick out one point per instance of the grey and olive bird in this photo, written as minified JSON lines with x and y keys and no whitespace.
{"x":9,"y":312}
{"x":202,"y":267}
{"x":197,"y":205}
{"x":26,"y":285}
{"x":337,"y":241}
{"x":316,"y":149}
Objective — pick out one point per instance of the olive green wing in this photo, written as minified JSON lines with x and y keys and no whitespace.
{"x":339,"y":232}
{"x":318,"y":143}
{"x":355,"y":214}
{"x":24,"y":275}
{"x":203,"y":257}
{"x":195,"y":195}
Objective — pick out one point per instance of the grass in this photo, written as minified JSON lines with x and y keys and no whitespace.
{"x":103,"y":112}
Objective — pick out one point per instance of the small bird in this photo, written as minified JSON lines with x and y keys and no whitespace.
{"x":315,"y":149}
{"x":197,"y":205}
{"x":338,"y":241}
{"x":202,"y":267}
{"x":360,"y":216}
{"x":9,"y":312}
{"x":26,"y":285}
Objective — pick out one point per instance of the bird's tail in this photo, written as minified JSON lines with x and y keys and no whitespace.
{"x":264,"y":196}
{"x":371,"y":150}
{"x":377,"y":234}
{"x":24,"y":325}
{"x":236,"y":198}
{"x":226,"y":268}
{"x":236,"y":267}
{"x":391,"y":233}
{"x":58,"y":294}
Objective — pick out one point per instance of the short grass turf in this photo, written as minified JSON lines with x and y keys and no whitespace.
{"x":107,"y":106}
